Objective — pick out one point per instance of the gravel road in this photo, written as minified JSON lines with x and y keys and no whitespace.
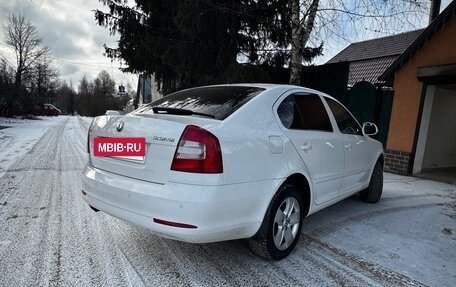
{"x":49,"y":236}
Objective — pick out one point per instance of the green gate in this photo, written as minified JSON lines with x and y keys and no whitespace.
{"x":361,"y":101}
{"x":383,"y":114}
{"x":369,"y":104}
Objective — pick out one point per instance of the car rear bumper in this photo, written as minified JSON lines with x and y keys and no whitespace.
{"x":219,"y":213}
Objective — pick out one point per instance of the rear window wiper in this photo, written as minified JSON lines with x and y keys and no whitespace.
{"x":183,"y":112}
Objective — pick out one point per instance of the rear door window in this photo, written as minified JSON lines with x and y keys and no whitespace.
{"x":304,"y":112}
{"x":217,"y":102}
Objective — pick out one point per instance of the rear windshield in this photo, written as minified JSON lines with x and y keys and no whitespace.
{"x":218,"y":102}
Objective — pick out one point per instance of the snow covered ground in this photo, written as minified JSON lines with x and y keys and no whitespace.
{"x":20,"y":137}
{"x":49,"y":236}
{"x":411,"y":231}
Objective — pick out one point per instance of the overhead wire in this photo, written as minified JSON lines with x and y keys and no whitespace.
{"x":97,"y":65}
{"x":8,"y":62}
{"x":86,"y":64}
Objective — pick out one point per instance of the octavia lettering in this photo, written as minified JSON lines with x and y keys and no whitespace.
{"x":119,"y":146}
{"x":163,"y":139}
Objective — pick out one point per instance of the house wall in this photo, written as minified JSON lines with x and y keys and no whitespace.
{"x":439,"y":50}
{"x":148,"y":89}
{"x":156,"y":93}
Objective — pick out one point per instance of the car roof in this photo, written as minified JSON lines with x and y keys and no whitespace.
{"x":267,"y":87}
{"x":253,"y":85}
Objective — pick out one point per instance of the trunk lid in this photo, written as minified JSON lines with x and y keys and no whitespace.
{"x":162,"y":134}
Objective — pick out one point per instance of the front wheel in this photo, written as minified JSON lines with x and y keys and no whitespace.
{"x":281,"y":227}
{"x":373,"y":193}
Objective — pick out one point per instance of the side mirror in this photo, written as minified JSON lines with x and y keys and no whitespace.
{"x":369,"y":129}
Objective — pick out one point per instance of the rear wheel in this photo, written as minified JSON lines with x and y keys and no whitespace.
{"x":281,"y":227}
{"x":373,"y":193}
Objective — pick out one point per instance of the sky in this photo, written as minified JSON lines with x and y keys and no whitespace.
{"x":68,"y":27}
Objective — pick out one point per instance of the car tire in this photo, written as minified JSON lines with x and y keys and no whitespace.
{"x":373,"y":193}
{"x":281,"y":227}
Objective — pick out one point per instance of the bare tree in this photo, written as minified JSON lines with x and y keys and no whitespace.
{"x":66,"y":96}
{"x":6,"y":86}
{"x":45,"y":78}
{"x":300,"y":34}
{"x":23,"y":37}
{"x":336,"y":19}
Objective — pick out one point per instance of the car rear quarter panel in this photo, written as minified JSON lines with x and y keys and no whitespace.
{"x":247,"y":157}
{"x":245,"y":142}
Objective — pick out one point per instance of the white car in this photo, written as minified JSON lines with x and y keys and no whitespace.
{"x":234,"y":161}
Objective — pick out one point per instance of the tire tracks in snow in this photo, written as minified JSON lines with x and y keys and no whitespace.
{"x":361,"y":216}
{"x":371,"y":270}
{"x":26,"y":232}
{"x":45,"y":248}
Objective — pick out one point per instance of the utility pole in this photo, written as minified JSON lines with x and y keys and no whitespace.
{"x":434,"y":10}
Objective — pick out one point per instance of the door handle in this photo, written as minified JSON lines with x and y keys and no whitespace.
{"x":306,"y":147}
{"x":348,"y":146}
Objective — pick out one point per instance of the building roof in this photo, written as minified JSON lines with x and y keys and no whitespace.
{"x":377,"y":48}
{"x":368,"y":70}
{"x":435,"y":25}
{"x":369,"y":59}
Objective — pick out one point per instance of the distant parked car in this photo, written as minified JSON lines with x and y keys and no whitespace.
{"x":49,"y":110}
{"x":234,"y":161}
{"x":113,"y":113}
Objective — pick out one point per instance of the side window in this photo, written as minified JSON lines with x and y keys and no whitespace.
{"x":304,"y":112}
{"x":313,"y":113}
{"x":289,"y":114}
{"x":345,"y":121}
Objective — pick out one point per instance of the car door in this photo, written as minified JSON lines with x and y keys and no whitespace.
{"x":306,"y":123}
{"x":356,"y":148}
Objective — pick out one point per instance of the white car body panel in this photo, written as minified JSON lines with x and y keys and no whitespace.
{"x":322,"y":153}
{"x":356,"y":174}
{"x":258,"y":153}
{"x":221,"y":212}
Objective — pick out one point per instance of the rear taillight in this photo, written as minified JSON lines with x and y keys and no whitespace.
{"x":198,"y":151}
{"x":88,"y":136}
